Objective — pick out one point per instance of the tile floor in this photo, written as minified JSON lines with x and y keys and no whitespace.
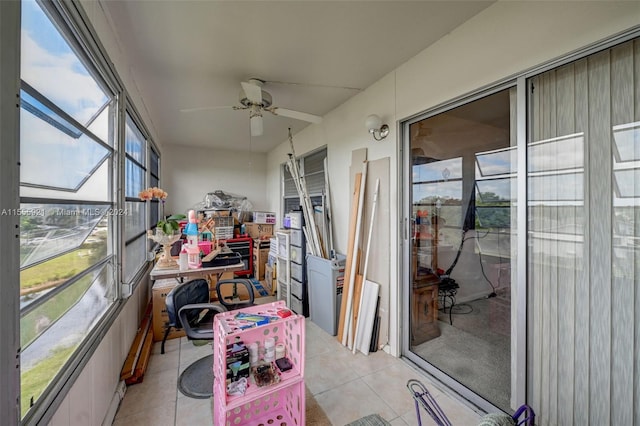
{"x":345,"y":385}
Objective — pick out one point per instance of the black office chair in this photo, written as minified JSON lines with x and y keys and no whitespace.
{"x":188,"y":308}
{"x":232,"y":300}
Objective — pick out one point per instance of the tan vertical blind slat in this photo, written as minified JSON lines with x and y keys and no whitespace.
{"x":584,"y":343}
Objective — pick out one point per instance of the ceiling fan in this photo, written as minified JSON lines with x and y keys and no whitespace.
{"x":256,"y":100}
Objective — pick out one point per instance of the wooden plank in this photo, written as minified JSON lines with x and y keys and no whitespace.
{"x":349,"y":259}
{"x":128,"y":369}
{"x":347,"y":339}
{"x":143,"y":360}
{"x":357,"y":293}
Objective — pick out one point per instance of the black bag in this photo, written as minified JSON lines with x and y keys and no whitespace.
{"x":223,"y":259}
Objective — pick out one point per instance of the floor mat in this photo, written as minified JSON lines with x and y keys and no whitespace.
{"x":370,"y":420}
{"x":196,"y":381}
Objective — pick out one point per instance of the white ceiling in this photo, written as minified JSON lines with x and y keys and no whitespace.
{"x":188,"y":54}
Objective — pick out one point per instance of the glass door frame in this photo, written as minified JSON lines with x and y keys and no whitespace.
{"x":519,"y":332}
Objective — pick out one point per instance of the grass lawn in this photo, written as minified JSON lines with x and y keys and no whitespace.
{"x":56,"y":269}
{"x":34,"y":381}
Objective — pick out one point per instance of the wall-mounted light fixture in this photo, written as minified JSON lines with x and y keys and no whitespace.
{"x":376,"y":128}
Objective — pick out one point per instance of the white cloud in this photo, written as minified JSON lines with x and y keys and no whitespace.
{"x":59,"y":78}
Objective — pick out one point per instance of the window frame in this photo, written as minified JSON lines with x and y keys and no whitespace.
{"x":71,"y":21}
{"x":316,"y":197}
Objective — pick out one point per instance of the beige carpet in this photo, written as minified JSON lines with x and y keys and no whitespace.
{"x":314,"y":414}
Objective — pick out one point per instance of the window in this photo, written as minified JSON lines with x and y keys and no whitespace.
{"x":494,"y":192}
{"x":135,"y":239}
{"x":154,"y":180}
{"x":66,"y":153}
{"x":312,"y":168}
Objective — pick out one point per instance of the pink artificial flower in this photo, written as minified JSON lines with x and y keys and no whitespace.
{"x":158,"y":193}
{"x":153,"y":192}
{"x":145,"y":195}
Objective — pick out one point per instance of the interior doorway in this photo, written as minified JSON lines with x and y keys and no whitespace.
{"x":462,"y":176}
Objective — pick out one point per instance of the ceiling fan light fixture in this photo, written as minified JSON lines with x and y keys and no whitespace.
{"x":255,"y":121}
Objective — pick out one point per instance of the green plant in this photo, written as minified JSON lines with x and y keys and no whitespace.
{"x":170,"y":224}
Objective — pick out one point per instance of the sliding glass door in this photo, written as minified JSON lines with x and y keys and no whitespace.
{"x":576,"y":181}
{"x":462,"y":245}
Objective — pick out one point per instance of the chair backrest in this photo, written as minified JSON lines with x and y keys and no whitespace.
{"x":194,"y":291}
{"x":233,"y":283}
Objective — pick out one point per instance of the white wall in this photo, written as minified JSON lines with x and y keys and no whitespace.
{"x":111,"y":42}
{"x":189,"y":173}
{"x":505,"y":39}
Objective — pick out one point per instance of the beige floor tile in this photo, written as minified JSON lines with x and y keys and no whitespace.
{"x":192,"y":411}
{"x":189,"y":353}
{"x":374,"y":362}
{"x":316,"y":340}
{"x":163,"y":362}
{"x":172,"y":345}
{"x":155,"y":390}
{"x":351,"y":401}
{"x":457,"y":413}
{"x":347,"y":386}
{"x":398,"y":421}
{"x":390,"y":384}
{"x":329,"y":370}
{"x":163,"y":415}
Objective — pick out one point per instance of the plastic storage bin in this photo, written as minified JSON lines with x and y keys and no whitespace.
{"x":278,"y":403}
{"x":325,"y":295}
{"x":282,"y":407}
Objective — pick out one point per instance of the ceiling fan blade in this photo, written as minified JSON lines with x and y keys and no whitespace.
{"x":253,"y":92}
{"x":296,"y":114}
{"x":206,"y":108}
{"x":324,"y":86}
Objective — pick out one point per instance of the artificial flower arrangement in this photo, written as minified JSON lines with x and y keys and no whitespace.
{"x":167,"y":225}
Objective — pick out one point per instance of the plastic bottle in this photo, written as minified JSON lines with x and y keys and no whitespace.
{"x":184,"y":259}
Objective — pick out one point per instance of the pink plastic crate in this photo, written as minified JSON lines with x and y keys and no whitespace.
{"x":283,"y":407}
{"x":279,"y":402}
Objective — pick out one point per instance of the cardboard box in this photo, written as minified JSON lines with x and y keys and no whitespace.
{"x":160,"y":290}
{"x":260,"y":256}
{"x":270,"y":278}
{"x":258,"y":230}
{"x":264,"y":217}
{"x":160,"y":317}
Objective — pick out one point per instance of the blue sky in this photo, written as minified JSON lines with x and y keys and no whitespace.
{"x":52,"y":67}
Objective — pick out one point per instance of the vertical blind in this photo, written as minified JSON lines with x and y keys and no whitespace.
{"x":584,"y":240}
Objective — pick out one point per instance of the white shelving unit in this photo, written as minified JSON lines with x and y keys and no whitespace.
{"x":298,"y":264}
{"x":283,"y":269}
